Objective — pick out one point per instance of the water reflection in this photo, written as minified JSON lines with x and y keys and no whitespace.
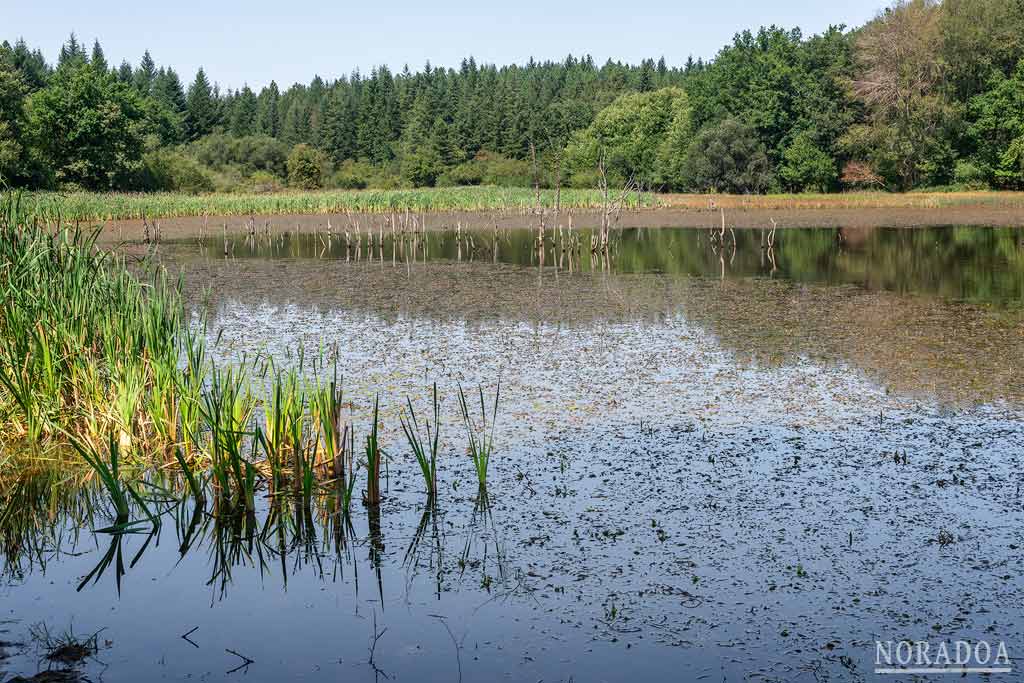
{"x":694,"y":479}
{"x":983,"y":265}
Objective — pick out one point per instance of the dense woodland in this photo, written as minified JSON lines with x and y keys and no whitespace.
{"x":927,"y":94}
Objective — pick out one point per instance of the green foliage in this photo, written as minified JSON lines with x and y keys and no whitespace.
{"x":806,"y":167}
{"x":12,"y":122}
{"x":201,"y":112}
{"x":727,"y":157}
{"x":89,"y":127}
{"x":488,"y":168}
{"x":997,"y":121}
{"x":922,"y":90}
{"x":980,"y":38}
{"x":171,"y":171}
{"x":250,"y":154}
{"x":970,"y":176}
{"x":781,"y":85}
{"x":626,"y":135}
{"x":306,"y":167}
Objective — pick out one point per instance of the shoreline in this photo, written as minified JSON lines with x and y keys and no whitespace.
{"x":740,"y":218}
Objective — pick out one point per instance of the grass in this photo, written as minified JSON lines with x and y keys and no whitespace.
{"x":86,"y":349}
{"x":87,"y":207}
{"x":101,"y":374}
{"x":480,"y":437}
{"x":121,"y":492}
{"x":848,"y":200}
{"x":425,"y":450}
{"x":373,"y":460}
{"x":84,"y":206}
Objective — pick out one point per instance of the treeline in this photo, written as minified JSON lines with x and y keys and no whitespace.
{"x":927,"y":94}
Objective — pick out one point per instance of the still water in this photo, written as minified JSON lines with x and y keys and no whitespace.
{"x":722,"y":456}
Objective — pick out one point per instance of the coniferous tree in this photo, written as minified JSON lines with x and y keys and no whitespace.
{"x":98,"y":60}
{"x":71,"y":52}
{"x":268,"y":118}
{"x":200,"y":107}
{"x":338,"y":134}
{"x":125,"y":73}
{"x":30,"y":65}
{"x":145,"y":75}
{"x":244,"y":112}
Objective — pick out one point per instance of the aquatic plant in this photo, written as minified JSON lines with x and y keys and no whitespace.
{"x":425,"y":450}
{"x":86,"y":348}
{"x":121,"y":493}
{"x":227,"y":409}
{"x":373,"y":460}
{"x":480,"y":433}
{"x":86,"y":206}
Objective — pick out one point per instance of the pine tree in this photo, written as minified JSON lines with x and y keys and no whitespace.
{"x":145,"y":75}
{"x":244,"y":112}
{"x":167,"y":90}
{"x":98,"y":60}
{"x":201,"y":107}
{"x":125,"y":73}
{"x":268,"y":121}
{"x":71,"y":52}
{"x":338,"y":131}
{"x":295,"y":129}
{"x":646,"y":76}
{"x":30,"y":64}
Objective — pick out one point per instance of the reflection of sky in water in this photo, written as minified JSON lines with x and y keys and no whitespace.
{"x":693,"y":479}
{"x":554,"y":377}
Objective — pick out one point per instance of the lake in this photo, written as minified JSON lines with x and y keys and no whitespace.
{"x":723,"y":455}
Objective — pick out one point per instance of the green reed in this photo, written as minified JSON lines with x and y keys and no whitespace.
{"x":85,"y":206}
{"x":227,"y":409}
{"x":85,"y":346}
{"x":373,"y":460}
{"x":121,"y":493}
{"x":480,"y":433}
{"x":425,"y":450}
{"x":100,"y":363}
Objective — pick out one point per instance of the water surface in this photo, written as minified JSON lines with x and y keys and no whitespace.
{"x":715,"y":460}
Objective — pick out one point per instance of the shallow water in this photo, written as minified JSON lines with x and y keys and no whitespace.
{"x":714,"y":461}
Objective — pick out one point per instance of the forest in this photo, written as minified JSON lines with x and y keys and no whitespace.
{"x":926,"y":95}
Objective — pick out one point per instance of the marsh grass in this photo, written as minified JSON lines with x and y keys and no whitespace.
{"x":101,"y":373}
{"x":85,"y":206}
{"x":227,"y":409}
{"x":371,"y":496}
{"x":480,"y":433}
{"x":121,"y":493}
{"x":86,"y":349}
{"x":425,"y":450}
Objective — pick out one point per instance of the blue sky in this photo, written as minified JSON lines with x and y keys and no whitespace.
{"x":291,"y":40}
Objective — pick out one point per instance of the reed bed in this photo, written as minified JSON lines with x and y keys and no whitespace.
{"x":90,"y":207}
{"x":99,"y":368}
{"x":846,"y":200}
{"x":85,"y":206}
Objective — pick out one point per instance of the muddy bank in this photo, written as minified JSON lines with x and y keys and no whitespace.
{"x":853,"y":218}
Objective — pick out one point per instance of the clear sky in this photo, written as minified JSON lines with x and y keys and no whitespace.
{"x":292,"y":40}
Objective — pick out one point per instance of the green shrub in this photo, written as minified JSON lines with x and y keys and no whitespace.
{"x":806,"y":167}
{"x":490,"y":168}
{"x":170,"y":171}
{"x":306,"y":167}
{"x":969,"y":175}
